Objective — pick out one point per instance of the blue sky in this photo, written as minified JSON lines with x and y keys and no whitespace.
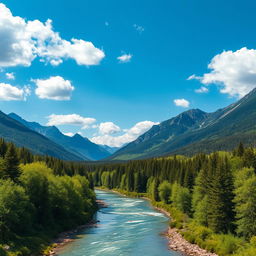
{"x":161,"y":44}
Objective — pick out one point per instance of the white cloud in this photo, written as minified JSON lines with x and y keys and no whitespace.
{"x":70,"y":134}
{"x":139,"y":28}
{"x":72,"y":119}
{"x":10,"y":76}
{"x":202,"y":89}
{"x":234,"y":72}
{"x":125,"y":58}
{"x":54,"y":88}
{"x":193,"y":77}
{"x":9,"y":92}
{"x":130,"y":135}
{"x":181,"y":103}
{"x":22,"y":41}
{"x":108,"y":128}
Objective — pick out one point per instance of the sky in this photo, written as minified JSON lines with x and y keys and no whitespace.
{"x":109,"y":70}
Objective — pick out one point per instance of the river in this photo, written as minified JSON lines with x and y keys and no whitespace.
{"x":127,"y":227}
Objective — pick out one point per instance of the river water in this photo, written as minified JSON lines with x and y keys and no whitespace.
{"x":128,"y":227}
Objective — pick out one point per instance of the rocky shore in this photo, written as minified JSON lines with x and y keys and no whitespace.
{"x":178,"y":243}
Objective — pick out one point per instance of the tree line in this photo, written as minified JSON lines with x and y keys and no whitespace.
{"x":215,"y":191}
{"x":39,"y":197}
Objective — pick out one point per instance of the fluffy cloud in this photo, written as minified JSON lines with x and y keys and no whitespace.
{"x":181,"y":103}
{"x":234,"y":72}
{"x":108,"y":128}
{"x":10,"y":76}
{"x":202,"y":89}
{"x":22,"y":41}
{"x":130,"y":135}
{"x":125,"y":58}
{"x":9,"y":92}
{"x":72,"y":119}
{"x":54,"y":88}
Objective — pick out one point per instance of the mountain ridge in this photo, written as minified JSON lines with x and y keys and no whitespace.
{"x":77,"y":144}
{"x":195,"y":131}
{"x":13,"y":131}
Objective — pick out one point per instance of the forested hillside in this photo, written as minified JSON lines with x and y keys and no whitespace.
{"x":212,"y":198}
{"x":15,"y":132}
{"x":195,"y":131}
{"x":39,"y":197}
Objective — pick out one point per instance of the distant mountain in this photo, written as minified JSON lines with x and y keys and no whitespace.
{"x":111,"y":150}
{"x":13,"y":131}
{"x":80,"y":146}
{"x":195,"y":131}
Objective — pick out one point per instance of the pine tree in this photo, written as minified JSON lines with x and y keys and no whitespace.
{"x":240,"y":149}
{"x":11,"y":164}
{"x":220,"y":196}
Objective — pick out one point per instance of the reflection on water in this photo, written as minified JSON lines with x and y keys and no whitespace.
{"x":127,"y":227}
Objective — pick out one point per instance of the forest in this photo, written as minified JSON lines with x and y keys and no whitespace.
{"x":39,"y":198}
{"x":211,"y":198}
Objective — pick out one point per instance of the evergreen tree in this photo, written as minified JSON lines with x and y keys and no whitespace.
{"x":11,"y":164}
{"x":220,"y":196}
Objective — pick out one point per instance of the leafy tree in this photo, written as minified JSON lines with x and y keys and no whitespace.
{"x":16,"y":211}
{"x":165,"y":191}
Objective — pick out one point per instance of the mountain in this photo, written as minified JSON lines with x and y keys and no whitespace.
{"x":80,"y":146}
{"x":13,"y":131}
{"x":111,"y":150}
{"x":195,"y":131}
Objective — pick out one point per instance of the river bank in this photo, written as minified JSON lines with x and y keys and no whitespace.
{"x":67,"y":237}
{"x":176,"y":241}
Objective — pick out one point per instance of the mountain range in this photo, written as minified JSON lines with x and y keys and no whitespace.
{"x":190,"y":132}
{"x":14,"y":131}
{"x":78,"y":145}
{"x":196,"y":131}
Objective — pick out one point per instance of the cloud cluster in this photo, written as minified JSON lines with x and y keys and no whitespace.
{"x":9,"y":92}
{"x":233,"y":71}
{"x":108,"y":128}
{"x":54,"y":88}
{"x":130,"y":135}
{"x":125,"y":58}
{"x":22,"y":41}
{"x":10,"y":76}
{"x":72,"y":119}
{"x":181,"y":103}
{"x":202,"y":89}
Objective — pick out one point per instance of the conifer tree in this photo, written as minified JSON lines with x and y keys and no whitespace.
{"x":220,"y":196}
{"x":11,"y":164}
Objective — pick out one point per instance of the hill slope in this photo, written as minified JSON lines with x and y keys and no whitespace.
{"x":15,"y":132}
{"x":195,"y":131}
{"x":77,"y":144}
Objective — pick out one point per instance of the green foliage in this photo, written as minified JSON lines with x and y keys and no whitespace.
{"x":10,"y":164}
{"x":35,"y":204}
{"x":211,"y":198}
{"x":15,"y":211}
{"x":245,"y":199}
{"x":165,"y":191}
{"x":181,"y":198}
